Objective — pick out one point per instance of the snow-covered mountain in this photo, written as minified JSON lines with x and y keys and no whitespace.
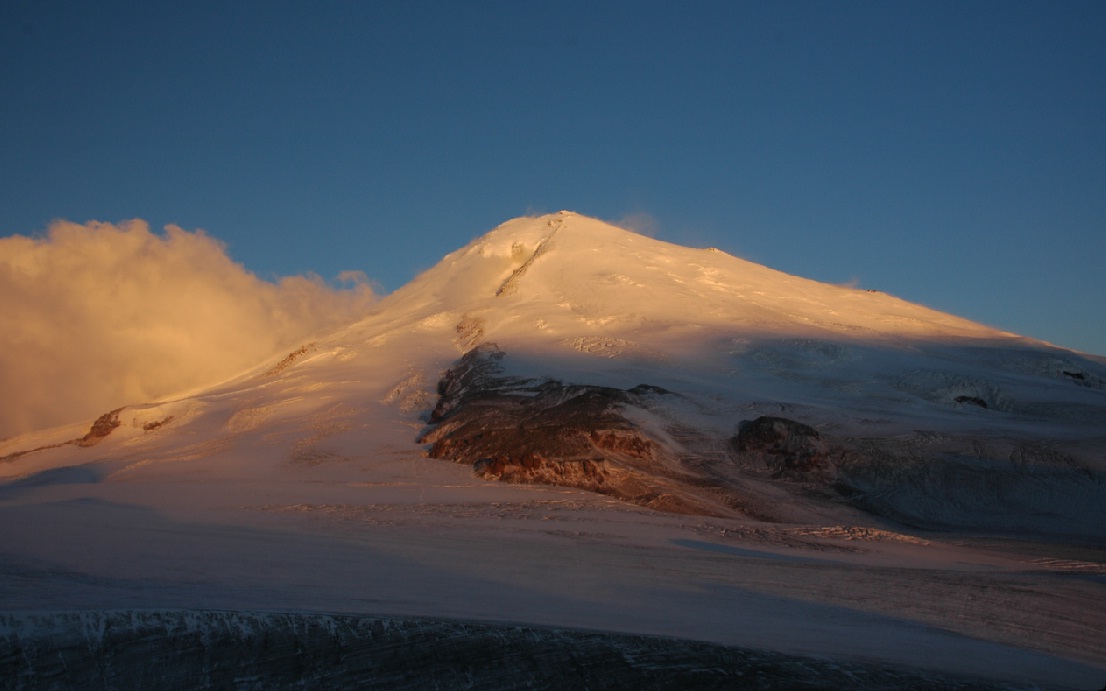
{"x":716,"y":443}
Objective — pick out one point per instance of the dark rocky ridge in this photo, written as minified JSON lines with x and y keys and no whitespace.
{"x":526,"y":430}
{"x":542,"y":431}
{"x":186,"y":649}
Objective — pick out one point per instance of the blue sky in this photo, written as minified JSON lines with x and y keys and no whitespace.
{"x":953,"y":154}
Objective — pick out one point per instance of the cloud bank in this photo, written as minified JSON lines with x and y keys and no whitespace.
{"x":96,"y":316}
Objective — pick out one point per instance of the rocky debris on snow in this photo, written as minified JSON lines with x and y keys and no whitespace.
{"x":790,"y":448}
{"x":470,"y":331}
{"x":974,"y":400}
{"x":1083,"y":378}
{"x":102,"y":427}
{"x":289,"y":360}
{"x":156,"y":424}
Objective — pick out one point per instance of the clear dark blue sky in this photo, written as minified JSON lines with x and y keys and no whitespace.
{"x":951,"y":153}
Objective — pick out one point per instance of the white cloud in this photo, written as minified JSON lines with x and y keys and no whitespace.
{"x":641,"y":223}
{"x":97,"y":316}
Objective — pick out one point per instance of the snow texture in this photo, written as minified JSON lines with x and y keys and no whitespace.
{"x":202,"y":649}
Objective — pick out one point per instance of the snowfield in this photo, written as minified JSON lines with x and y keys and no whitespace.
{"x":950,"y":522}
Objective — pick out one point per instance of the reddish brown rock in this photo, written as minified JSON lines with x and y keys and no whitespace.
{"x":102,"y":427}
{"x":530,"y":431}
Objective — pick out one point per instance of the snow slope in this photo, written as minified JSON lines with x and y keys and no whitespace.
{"x":299,"y":485}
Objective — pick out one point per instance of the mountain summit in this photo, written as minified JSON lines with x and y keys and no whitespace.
{"x":577,"y":272}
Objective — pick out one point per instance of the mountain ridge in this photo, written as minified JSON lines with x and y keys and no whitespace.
{"x":575,"y":302}
{"x":562,"y":286}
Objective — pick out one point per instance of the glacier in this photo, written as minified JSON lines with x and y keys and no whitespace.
{"x":944,"y":514}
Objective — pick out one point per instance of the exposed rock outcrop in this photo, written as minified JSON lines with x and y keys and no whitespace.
{"x":787,"y":447}
{"x":102,"y":427}
{"x":289,"y":359}
{"x":531,"y":431}
{"x":620,"y":442}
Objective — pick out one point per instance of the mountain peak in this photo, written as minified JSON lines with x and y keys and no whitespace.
{"x":570,"y":273}
{"x":494,"y":264}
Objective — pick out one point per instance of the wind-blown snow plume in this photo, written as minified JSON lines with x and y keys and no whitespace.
{"x":641,"y":223}
{"x":98,"y":315}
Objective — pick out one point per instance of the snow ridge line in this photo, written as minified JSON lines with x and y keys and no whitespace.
{"x":510,"y":286}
